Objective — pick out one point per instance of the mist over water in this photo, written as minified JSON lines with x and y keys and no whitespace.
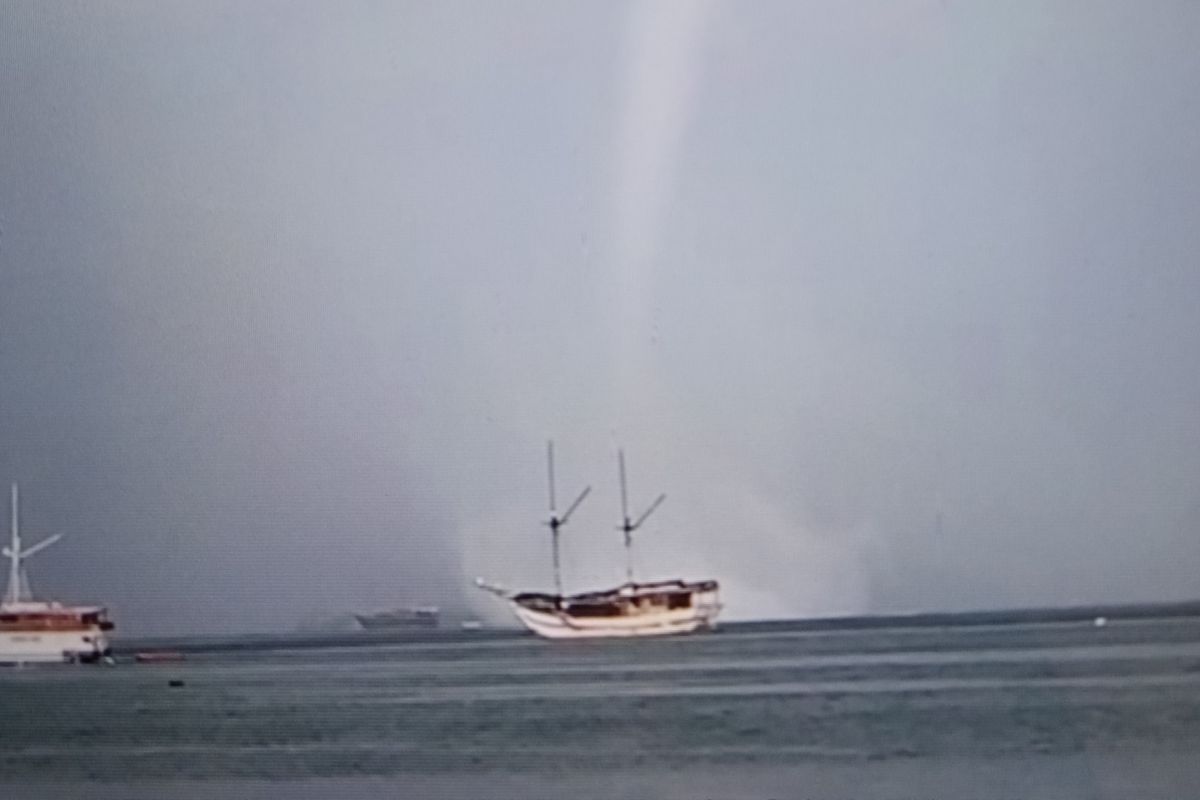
{"x":290,"y":303}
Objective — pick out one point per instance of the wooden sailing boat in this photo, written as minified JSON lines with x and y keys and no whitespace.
{"x":631,"y":609}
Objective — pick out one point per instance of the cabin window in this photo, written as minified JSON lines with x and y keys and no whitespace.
{"x":679,"y":600}
{"x":595,"y":610}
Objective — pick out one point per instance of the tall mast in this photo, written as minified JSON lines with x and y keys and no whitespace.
{"x":627,"y":526}
{"x":13,"y":551}
{"x":18,"y":583}
{"x":555,"y":522}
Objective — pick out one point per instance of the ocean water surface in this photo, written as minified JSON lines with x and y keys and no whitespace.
{"x":1065,"y":710}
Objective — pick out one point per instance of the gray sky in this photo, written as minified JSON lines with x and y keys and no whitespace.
{"x":291,"y":296}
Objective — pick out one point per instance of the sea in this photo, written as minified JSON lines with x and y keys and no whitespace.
{"x":1000,"y":710}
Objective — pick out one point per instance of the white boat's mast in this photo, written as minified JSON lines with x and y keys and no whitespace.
{"x":555,"y":522}
{"x":627,"y":526}
{"x":18,"y":583}
{"x":13,"y":551}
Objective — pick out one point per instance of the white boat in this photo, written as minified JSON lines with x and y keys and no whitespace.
{"x":633,"y":609}
{"x":662,"y":608}
{"x":33,"y":631}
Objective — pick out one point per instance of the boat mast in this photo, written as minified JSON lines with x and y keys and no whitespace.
{"x":555,"y":522}
{"x":18,"y":582}
{"x":627,"y":527}
{"x":13,"y":551}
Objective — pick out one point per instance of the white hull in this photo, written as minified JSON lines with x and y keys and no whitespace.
{"x":558,"y":625}
{"x":52,"y":647}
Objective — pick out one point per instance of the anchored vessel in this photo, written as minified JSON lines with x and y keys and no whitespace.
{"x":631,"y":609}
{"x":426,"y":617}
{"x":38,"y":631}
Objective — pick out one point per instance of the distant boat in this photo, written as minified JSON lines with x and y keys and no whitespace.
{"x":425,"y":617}
{"x":632,"y":609}
{"x":34,"y":631}
{"x":158,"y":657}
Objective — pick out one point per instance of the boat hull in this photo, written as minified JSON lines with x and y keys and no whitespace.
{"x":400,"y":619}
{"x":87,"y":645}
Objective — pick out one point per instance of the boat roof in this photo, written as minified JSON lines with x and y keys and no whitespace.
{"x":632,"y":589}
{"x":39,"y":607}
